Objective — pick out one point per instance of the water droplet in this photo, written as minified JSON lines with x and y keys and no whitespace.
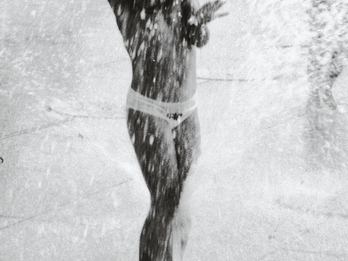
{"x":152,"y":138}
{"x":119,"y":10}
{"x":142,"y":14}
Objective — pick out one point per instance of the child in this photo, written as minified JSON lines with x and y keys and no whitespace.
{"x":161,"y":37}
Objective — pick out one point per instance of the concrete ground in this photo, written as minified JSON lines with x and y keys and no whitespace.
{"x":268,"y":186}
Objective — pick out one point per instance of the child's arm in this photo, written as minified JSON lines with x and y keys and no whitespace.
{"x":192,"y":30}
{"x":194,"y":21}
{"x":207,"y":12}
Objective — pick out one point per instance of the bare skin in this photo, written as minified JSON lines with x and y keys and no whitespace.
{"x":161,"y":38}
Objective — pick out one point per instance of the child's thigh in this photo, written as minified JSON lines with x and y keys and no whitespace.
{"x":187,"y":143}
{"x":153,"y":143}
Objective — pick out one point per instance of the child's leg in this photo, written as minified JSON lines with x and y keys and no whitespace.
{"x":187,"y":146}
{"x":154,"y":146}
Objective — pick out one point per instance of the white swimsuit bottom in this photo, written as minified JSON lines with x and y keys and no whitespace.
{"x":172,"y":112}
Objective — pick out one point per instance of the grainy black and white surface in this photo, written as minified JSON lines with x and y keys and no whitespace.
{"x":268,"y":186}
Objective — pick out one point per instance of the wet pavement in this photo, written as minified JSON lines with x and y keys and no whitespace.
{"x":268,"y":185}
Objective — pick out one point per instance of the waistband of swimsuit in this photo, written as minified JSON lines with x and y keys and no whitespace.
{"x":136,"y":97}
